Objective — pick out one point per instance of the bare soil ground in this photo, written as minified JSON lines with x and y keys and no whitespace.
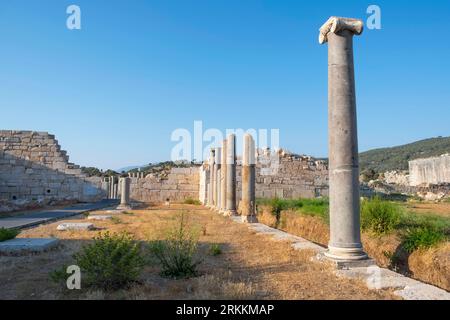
{"x":251,"y":266}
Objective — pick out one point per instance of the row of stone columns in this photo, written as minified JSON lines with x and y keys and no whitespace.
{"x":221,"y":187}
{"x":113,"y":192}
{"x":139,"y":175}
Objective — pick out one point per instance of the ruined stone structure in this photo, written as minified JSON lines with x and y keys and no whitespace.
{"x":180,"y":184}
{"x":34,"y":169}
{"x":282,"y":175}
{"x":435,"y":170}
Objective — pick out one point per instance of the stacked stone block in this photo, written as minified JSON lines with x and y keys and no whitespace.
{"x":33,"y":167}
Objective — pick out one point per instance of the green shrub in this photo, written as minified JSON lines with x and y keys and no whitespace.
{"x":7,"y":234}
{"x":422,"y":237}
{"x":111,"y":261}
{"x":116,"y":220}
{"x":379,"y":216}
{"x":59,"y":275}
{"x":315,"y":207}
{"x":176,"y":254}
{"x":192,"y":201}
{"x":312,"y":207}
{"x":215,"y":249}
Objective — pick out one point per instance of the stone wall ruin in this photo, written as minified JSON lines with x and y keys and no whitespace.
{"x":35,"y":171}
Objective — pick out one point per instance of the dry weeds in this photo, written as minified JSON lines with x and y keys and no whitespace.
{"x":251,"y":266}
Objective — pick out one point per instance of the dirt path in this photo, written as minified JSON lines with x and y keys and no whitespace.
{"x":251,"y":266}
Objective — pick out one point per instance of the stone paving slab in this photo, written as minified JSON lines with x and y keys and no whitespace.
{"x":69,"y":226}
{"x":99,"y":217}
{"x":382,"y":278}
{"x":25,"y":245}
{"x":36,"y":218}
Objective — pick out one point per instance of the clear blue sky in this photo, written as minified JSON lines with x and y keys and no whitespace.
{"x":114,"y":91}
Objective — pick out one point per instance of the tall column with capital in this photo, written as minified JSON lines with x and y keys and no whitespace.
{"x":345,"y":234}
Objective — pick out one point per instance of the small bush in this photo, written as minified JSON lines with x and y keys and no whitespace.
{"x":116,"y":220}
{"x":422,"y":237}
{"x":7,"y":234}
{"x":176,"y":253}
{"x":192,"y":201}
{"x":312,"y":207}
{"x":379,"y":216}
{"x":215,"y":249}
{"x":111,"y":262}
{"x":59,"y":275}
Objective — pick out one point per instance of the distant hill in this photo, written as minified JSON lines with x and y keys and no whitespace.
{"x":396,"y":158}
{"x":126,"y":169}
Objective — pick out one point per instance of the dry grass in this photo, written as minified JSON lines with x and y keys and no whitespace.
{"x":251,"y":266}
{"x":428,"y":265}
{"x":441,"y":208}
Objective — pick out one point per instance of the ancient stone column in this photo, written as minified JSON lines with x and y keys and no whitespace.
{"x":116,"y":185}
{"x":106,"y":187}
{"x":125,"y":195}
{"x":345,"y":237}
{"x":223,"y":178}
{"x":211,"y":178}
{"x":111,"y":187}
{"x":230,"y":209}
{"x":217,"y":182}
{"x":248,"y":205}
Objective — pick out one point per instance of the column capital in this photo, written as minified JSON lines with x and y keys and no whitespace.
{"x":336,"y":24}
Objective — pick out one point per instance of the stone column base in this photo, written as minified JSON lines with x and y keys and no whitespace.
{"x":230,"y":213}
{"x":344,"y":264}
{"x":124,"y":207}
{"x":249,"y":219}
{"x":345,"y":254}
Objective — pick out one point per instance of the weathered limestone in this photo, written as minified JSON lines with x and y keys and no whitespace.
{"x":26,"y":245}
{"x":125,"y":194}
{"x":116,"y":190}
{"x":217,"y":166}
{"x":211,"y":178}
{"x":230,"y":208}
{"x":345,"y":234}
{"x":219,"y":186}
{"x":248,"y":205}
{"x":105,"y":187}
{"x":34,"y":171}
{"x":111,"y":187}
{"x":223,"y":178}
{"x":99,"y":217}
{"x":75,"y":226}
{"x":434,"y":170}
